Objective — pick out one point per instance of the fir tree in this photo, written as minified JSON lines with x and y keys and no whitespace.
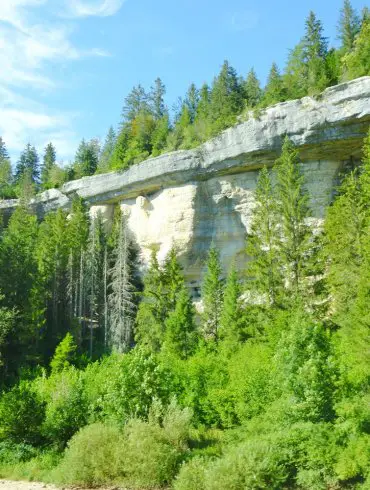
{"x":160,"y":135}
{"x":5,"y":171}
{"x":192,"y":101}
{"x":86,"y":159}
{"x":180,"y":336}
{"x":64,"y":354}
{"x":252,"y":89}
{"x":156,"y":97}
{"x":28,"y":164}
{"x":274,"y":91}
{"x":135,"y":102}
{"x":107,"y":151}
{"x":173,"y":279}
{"x":151,"y":314}
{"x":226,"y":98}
{"x":212,"y":296}
{"x":49,"y":161}
{"x":349,"y":26}
{"x":296,"y":238}
{"x":231,"y":321}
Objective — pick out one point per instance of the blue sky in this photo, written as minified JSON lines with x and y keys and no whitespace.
{"x":68,"y":64}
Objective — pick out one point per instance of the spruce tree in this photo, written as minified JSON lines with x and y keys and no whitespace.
{"x":5,"y":171}
{"x":136,"y":102}
{"x":212,"y":296}
{"x":274,"y":91}
{"x":49,"y":161}
{"x":315,"y":49}
{"x":226,"y":100}
{"x":348,"y":27}
{"x":180,"y":336}
{"x":160,"y":135}
{"x":28,"y":164}
{"x":151,"y":314}
{"x":156,"y":97}
{"x":173,"y":279}
{"x":121,"y":299}
{"x":231,"y":321}
{"x":252,"y":89}
{"x":293,"y":208}
{"x":86,"y":159}
{"x":192,"y":101}
{"x":264,"y":270}
{"x":104,"y":164}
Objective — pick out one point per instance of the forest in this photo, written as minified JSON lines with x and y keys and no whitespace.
{"x":112,"y":377}
{"x":148,"y":128}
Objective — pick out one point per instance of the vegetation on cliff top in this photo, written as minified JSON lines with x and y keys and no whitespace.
{"x":148,"y":128}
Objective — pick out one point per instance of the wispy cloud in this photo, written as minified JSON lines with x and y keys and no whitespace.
{"x":85,"y":8}
{"x":244,"y":20}
{"x":32,"y":41}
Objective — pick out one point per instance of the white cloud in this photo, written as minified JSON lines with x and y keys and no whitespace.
{"x":84,"y":8}
{"x":31,"y":44}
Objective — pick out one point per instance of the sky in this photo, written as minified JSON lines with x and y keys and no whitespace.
{"x":67,"y":65}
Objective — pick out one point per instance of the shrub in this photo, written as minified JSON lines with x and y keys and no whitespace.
{"x":66,"y":409}
{"x":191,"y":475}
{"x":92,"y":457}
{"x":21,"y":415}
{"x":123,"y":386}
{"x":11,"y":453}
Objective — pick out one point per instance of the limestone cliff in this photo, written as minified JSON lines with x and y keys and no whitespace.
{"x":195,"y":197}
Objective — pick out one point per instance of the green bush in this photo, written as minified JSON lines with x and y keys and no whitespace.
{"x":123,"y":386}
{"x":92,"y":457}
{"x":191,"y":475}
{"x":21,"y":415}
{"x":155,"y":449}
{"x":66,"y":409}
{"x":253,"y":465}
{"x":11,"y":454}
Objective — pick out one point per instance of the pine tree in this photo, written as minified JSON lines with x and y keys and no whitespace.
{"x":348,"y":27}
{"x":212,"y":296}
{"x":28,"y":164}
{"x":252,"y":89}
{"x":49,"y":161}
{"x":231,"y":321}
{"x":121,"y":300}
{"x":107,"y":152}
{"x":180,"y":336}
{"x":275,"y":90}
{"x":293,"y":209}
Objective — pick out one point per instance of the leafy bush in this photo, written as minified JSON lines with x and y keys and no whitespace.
{"x":191,"y":475}
{"x":92,"y":457}
{"x":21,"y":415}
{"x":11,"y":453}
{"x":66,"y":409}
{"x":124,"y":386}
{"x":154,"y":449}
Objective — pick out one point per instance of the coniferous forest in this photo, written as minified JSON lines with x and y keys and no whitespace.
{"x":111,"y":377}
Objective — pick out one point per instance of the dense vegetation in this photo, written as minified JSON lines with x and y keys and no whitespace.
{"x":110,"y":380}
{"x":148,"y":128}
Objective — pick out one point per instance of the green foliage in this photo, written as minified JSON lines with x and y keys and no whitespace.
{"x":349,"y":26}
{"x":21,"y":415}
{"x":356,"y":63}
{"x":64,"y":354}
{"x":232,"y":316}
{"x":92,"y":457}
{"x":212,"y":296}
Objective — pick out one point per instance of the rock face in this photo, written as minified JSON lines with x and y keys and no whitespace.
{"x":192,"y":198}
